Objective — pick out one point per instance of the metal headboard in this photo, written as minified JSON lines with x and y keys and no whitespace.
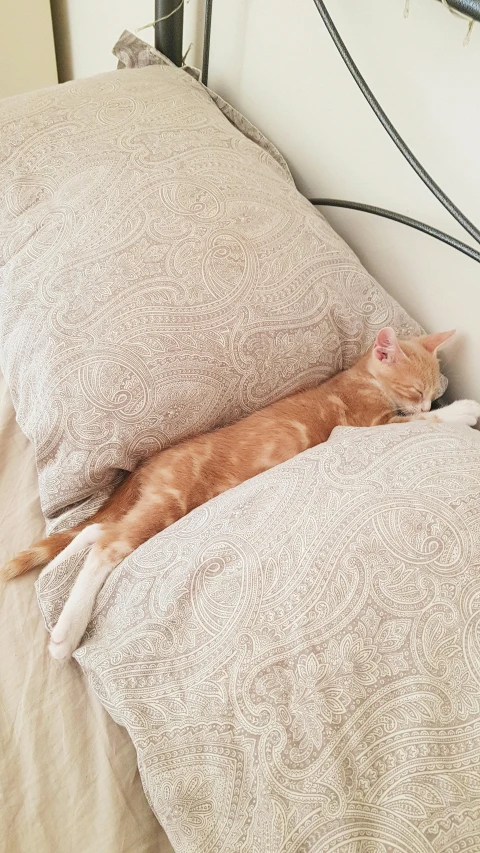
{"x":169,"y":38}
{"x":470,"y":8}
{"x":169,"y":32}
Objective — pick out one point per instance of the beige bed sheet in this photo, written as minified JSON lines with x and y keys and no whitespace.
{"x":69,"y":781}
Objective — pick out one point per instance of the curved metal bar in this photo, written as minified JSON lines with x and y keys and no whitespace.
{"x":391,"y":130}
{"x":405,"y":220}
{"x":470,"y":8}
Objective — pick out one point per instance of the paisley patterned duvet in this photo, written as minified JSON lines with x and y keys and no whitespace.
{"x":298,"y":661}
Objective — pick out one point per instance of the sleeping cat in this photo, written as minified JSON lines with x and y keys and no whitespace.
{"x":394,"y":382}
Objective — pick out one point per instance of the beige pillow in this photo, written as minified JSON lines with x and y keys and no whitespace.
{"x":298,"y":661}
{"x":160,"y":274}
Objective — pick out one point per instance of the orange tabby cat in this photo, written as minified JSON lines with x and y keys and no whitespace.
{"x":394,"y":382}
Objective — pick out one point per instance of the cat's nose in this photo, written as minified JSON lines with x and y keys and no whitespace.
{"x":426,"y":406}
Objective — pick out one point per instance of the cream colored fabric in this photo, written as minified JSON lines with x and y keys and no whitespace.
{"x":68,"y":775}
{"x":298,"y":661}
{"x":159,"y":275}
{"x":133,"y":52}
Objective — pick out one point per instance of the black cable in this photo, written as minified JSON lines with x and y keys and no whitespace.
{"x":405,"y":220}
{"x":471,"y":8}
{"x":206,"y":41}
{"x":393,"y":133}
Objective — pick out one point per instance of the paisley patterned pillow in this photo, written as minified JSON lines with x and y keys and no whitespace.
{"x":160,"y":274}
{"x":298,"y":661}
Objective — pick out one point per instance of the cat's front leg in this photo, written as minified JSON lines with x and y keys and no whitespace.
{"x":465,"y":412}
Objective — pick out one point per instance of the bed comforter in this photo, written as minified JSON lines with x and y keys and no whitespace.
{"x":298,"y":661}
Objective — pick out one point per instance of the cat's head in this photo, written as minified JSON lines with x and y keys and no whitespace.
{"x":408,"y":371}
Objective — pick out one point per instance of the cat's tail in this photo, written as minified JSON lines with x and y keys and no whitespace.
{"x":41,"y":553}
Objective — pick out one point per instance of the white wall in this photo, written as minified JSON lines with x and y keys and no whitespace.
{"x":274,"y":61}
{"x":86,"y":30}
{"x":27,"y":53}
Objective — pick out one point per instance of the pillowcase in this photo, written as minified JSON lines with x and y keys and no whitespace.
{"x":160,"y":274}
{"x":298,"y":661}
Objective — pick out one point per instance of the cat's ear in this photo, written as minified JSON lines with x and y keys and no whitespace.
{"x":386,"y":347}
{"x":434,"y":342}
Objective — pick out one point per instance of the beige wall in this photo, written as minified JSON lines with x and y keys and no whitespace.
{"x":275,"y":62}
{"x":86,"y":30}
{"x":27,"y":53}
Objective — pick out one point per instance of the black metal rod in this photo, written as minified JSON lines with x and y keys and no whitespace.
{"x":391,"y":130}
{"x":353,"y":205}
{"x":405,"y":220}
{"x":471,"y":8}
{"x":169,"y":32}
{"x":206,"y":40}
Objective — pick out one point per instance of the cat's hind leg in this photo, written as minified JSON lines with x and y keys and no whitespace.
{"x":104,"y":556}
{"x":116,"y":541}
{"x":84,"y":539}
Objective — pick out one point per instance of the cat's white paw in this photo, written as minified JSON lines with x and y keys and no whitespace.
{"x":60,"y":651}
{"x":460,"y":412}
{"x":65,"y":639}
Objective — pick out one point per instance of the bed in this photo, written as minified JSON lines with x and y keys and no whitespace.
{"x":294,"y":666}
{"x":69,"y":777}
